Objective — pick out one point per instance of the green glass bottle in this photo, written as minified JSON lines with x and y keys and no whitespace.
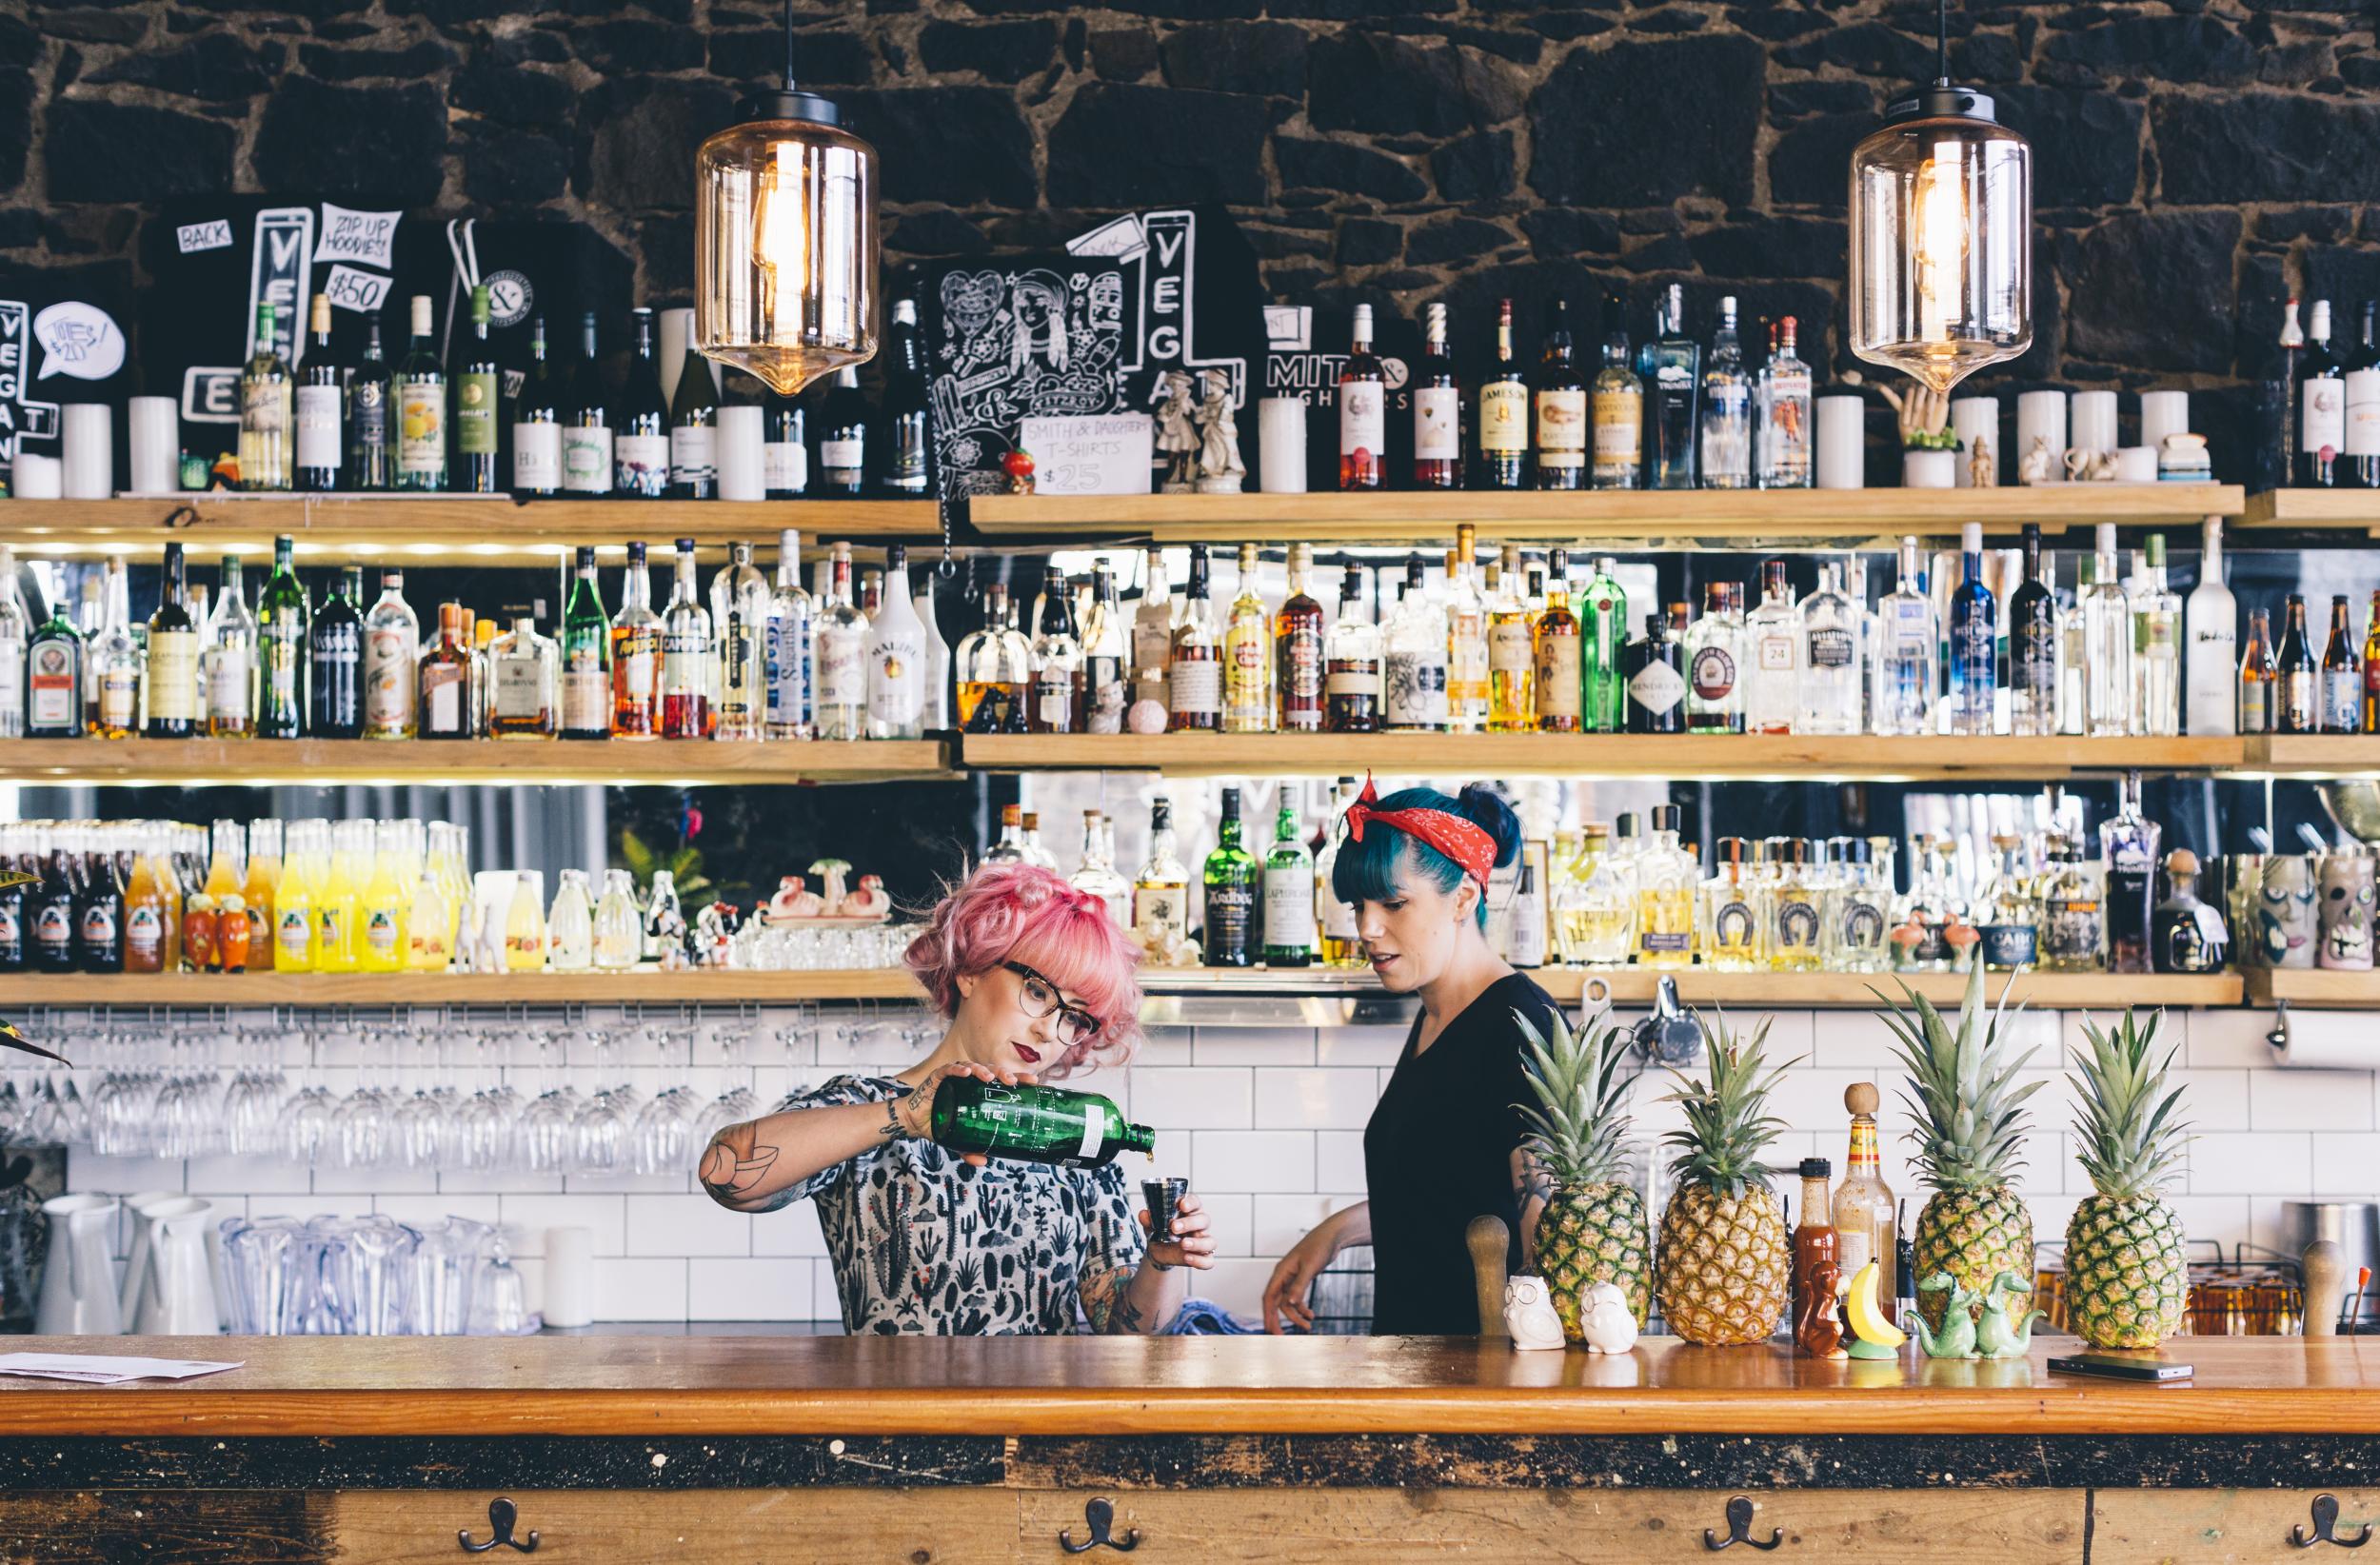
{"x":585,"y":656}
{"x":477,"y":387}
{"x":1231,"y":891}
{"x":1603,"y":626}
{"x":1033,"y":1124}
{"x":1288,"y":890}
{"x":283,"y":636}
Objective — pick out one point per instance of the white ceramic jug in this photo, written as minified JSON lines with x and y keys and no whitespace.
{"x":78,"y":1285}
{"x":177,"y":1294}
{"x":136,"y":1209}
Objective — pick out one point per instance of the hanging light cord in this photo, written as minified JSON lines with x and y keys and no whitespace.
{"x":789,"y":44}
{"x":1942,"y":42}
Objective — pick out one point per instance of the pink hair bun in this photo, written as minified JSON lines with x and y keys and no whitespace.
{"x":1014,"y":912}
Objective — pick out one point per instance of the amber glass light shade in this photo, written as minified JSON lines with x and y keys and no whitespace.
{"x":1941,"y":239}
{"x":785,"y":244}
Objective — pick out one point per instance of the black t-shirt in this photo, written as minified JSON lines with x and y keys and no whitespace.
{"x":1438,"y":1152}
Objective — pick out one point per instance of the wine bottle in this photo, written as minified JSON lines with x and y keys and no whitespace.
{"x":321,"y":403}
{"x":173,"y":657}
{"x":1032,"y":1123}
{"x":335,"y":662}
{"x":281,"y":635}
{"x":905,"y":442}
{"x":1561,"y":408}
{"x":1362,"y":409}
{"x":2321,"y":404}
{"x":537,"y":424}
{"x":585,"y":655}
{"x":264,"y":411}
{"x":478,"y":401}
{"x":421,"y":383}
{"x":1437,"y":410}
{"x":586,"y":456}
{"x":641,"y":443}
{"x":694,"y":432}
{"x":371,"y":466}
{"x":843,"y":438}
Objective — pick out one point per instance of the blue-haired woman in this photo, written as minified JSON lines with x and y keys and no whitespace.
{"x":1443,"y":1145}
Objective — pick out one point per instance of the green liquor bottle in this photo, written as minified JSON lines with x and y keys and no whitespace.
{"x":283,"y":633}
{"x":421,"y":384}
{"x":585,"y":656}
{"x":1231,"y":891}
{"x":1288,"y":890}
{"x":1603,"y":626}
{"x":1034,"y":1124}
{"x":477,"y":387}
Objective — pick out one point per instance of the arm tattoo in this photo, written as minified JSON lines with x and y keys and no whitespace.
{"x":1100,"y":1291}
{"x":732,"y":1165}
{"x":892,"y":1120}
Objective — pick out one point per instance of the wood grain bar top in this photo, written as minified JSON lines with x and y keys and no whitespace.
{"x":830,"y":1386}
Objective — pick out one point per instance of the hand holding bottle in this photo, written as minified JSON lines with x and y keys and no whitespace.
{"x":915,"y":1111}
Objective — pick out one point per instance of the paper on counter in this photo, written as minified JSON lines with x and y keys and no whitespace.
{"x":99,"y":1369}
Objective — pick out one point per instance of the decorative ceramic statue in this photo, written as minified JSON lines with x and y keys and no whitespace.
{"x":1605,"y":1323}
{"x":2006,"y":1329}
{"x":1176,"y":440}
{"x":2287,"y":923}
{"x":1220,"y":467}
{"x":2090,"y":467}
{"x":2034,"y":469}
{"x":1818,"y":1332}
{"x":2346,"y":911}
{"x":1956,"y":1340}
{"x":1983,"y":466}
{"x":2183,"y":458}
{"x":1529,"y":1314}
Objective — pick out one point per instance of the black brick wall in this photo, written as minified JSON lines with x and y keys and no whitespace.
{"x":2198,"y":160}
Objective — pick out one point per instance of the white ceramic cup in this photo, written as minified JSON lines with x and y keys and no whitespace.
{"x":1842,"y":443}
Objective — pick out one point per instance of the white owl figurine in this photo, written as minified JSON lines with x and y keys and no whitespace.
{"x":1606,"y":1321}
{"x":1529,"y":1314}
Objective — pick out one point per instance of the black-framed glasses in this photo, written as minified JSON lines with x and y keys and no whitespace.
{"x":1040,"y":997}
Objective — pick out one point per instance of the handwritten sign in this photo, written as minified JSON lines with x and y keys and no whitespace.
{"x":79,"y":340}
{"x":1099,"y":453}
{"x":21,"y":417}
{"x":361,"y":291}
{"x":364,"y":238}
{"x":193,"y":237}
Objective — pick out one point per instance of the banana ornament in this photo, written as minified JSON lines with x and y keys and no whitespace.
{"x":1878,"y":1338}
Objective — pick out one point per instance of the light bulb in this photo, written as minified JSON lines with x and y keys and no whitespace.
{"x":779,"y":247}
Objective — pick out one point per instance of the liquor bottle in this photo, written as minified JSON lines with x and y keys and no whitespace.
{"x":1771,"y":676}
{"x":1413,"y":682}
{"x":1863,"y":1207}
{"x":392,"y":639}
{"x":1010,"y":848}
{"x":2211,"y":626}
{"x":2032,"y":646}
{"x":1438,"y":435}
{"x":1503,"y":413}
{"x":2128,"y":841}
{"x":1726,"y":409}
{"x":1151,"y":631}
{"x":444,"y":680}
{"x":1829,"y":701}
{"x":788,"y":643}
{"x":2073,"y":911}
{"x":896,"y":658}
{"x":1298,"y":648}
{"x":1194,"y":670}
{"x":1351,"y":684}
{"x":1794,"y":905}
{"x":585,"y":654}
{"x":536,"y":422}
{"x":99,"y":915}
{"x":2321,"y":404}
{"x":421,"y":400}
{"x":283,"y":630}
{"x":1558,"y":646}
{"x":641,"y":438}
{"x":1288,"y":889}
{"x":2011,"y":922}
{"x":2361,"y":468}
{"x":1854,"y":938}
{"x":1230,"y":878}
{"x":523,"y":667}
{"x":1603,"y":632}
{"x":1974,"y":641}
{"x":16,"y":638}
{"x":2259,"y":676}
{"x":1057,"y":705}
{"x":1675,"y":365}
{"x":1619,"y":407}
{"x":935,"y":676}
{"x":2340,"y":703}
{"x":1248,"y":656}
{"x":321,"y":403}
{"x":1907,"y":652}
{"x":1362,"y":409}
{"x":2372,"y":669}
{"x":739,"y":609}
{"x":2107,"y":643}
{"x":842,"y":437}
{"x":1161,"y":895}
{"x":2296,"y":685}
{"x":992,"y":684}
{"x":335,"y":671}
{"x":2157,"y":648}
{"x":264,"y":420}
{"x":1339,"y":947}
{"x":1097,"y":873}
{"x":228,"y":659}
{"x":694,"y":431}
{"x":685,"y":645}
{"x":1468,"y":697}
{"x":1728,"y":930}
{"x":50,"y":911}
{"x":116,"y":666}
{"x":172,"y":658}
{"x":1512,"y":653}
{"x":1561,"y":408}
{"x":2187,"y":936}
{"x":478,"y":406}
{"x":842,"y":676}
{"x":1033,"y":1124}
{"x":1656,"y":675}
{"x":587,"y":445}
{"x":784,"y":448}
{"x":1666,"y":878}
{"x":2292,"y":355}
{"x":370,"y":393}
{"x":636,"y":653}
{"x":1714,"y":658}
{"x":1784,"y":437}
{"x":905,"y":441}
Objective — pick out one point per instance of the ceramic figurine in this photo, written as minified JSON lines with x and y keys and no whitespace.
{"x":831,"y":891}
{"x":870,"y":902}
{"x":1220,"y":470}
{"x":1983,"y":468}
{"x":1819,"y":1332}
{"x":2034,"y":469}
{"x":1018,"y":464}
{"x":1529,"y":1316}
{"x":1176,"y":440}
{"x":2183,"y":458}
{"x":1606,"y":1324}
{"x":2006,"y":1329}
{"x":1956,"y":1340}
{"x":2346,"y":912}
{"x":1146,"y":716}
{"x":2287,"y":924}
{"x":1922,"y":411}
{"x":2090,"y":467}
{"x":1875,"y":1336}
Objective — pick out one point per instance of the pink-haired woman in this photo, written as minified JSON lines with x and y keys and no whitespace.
{"x":1036,"y":980}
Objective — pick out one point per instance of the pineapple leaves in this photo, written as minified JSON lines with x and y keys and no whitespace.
{"x":1726,"y":1128}
{"x":2129,"y":1138}
{"x":1962,"y":1090}
{"x":1577,"y":1130}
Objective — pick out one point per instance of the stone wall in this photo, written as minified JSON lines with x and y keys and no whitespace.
{"x":2195,"y":161}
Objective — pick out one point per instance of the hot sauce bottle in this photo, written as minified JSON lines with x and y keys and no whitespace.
{"x":1817,"y":1328}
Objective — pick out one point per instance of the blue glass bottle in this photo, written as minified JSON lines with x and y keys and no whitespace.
{"x":1974,"y":641}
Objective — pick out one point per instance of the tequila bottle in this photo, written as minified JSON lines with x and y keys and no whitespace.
{"x":1231,"y":875}
{"x":2128,"y":841}
{"x":1797,"y":912}
{"x":1773,"y":678}
{"x":1907,"y":649}
{"x":1288,"y":890}
{"x":1715,"y":659}
{"x":2012,"y":914}
{"x":2157,"y":648}
{"x":1151,"y":631}
{"x":1351,"y":682}
{"x":1829,"y":659}
{"x":1853,"y":940}
{"x":1602,"y":658}
{"x":1010,"y":848}
{"x":2107,"y":643}
{"x":1667,"y":880}
{"x":1558,"y":659}
{"x":1097,"y":874}
{"x":1468,"y":697}
{"x":1726,"y":409}
{"x":2034,"y":638}
{"x":1248,"y":656}
{"x":740,"y":599}
{"x":1784,"y":438}
{"x":1032,"y":1123}
{"x":1415,"y":680}
{"x":2188,"y":935}
{"x":2211,"y":630}
{"x":1675,"y":364}
{"x":1605,"y":933}
{"x":1730,"y":928}
{"x":2073,"y":911}
{"x":1512,"y":653}
{"x":1298,"y":652}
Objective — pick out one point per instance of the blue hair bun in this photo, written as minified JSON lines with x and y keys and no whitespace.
{"x":1486,"y":808}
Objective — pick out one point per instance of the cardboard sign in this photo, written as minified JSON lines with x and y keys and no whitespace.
{"x":364,"y":238}
{"x":1099,"y":453}
{"x":192,"y":237}
{"x":361,"y":291}
{"x":278,"y":269}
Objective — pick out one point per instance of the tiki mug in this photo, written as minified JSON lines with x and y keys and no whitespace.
{"x":2286,"y":925}
{"x":2345,"y":915}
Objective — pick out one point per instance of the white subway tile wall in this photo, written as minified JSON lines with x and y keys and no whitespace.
{"x":1268,"y":1125}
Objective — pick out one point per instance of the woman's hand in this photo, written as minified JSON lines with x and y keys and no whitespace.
{"x":1189,"y":1245}
{"x":1287,"y":1294}
{"x":914,"y":1110}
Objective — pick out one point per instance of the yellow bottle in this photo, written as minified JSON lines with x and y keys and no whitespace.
{"x":261,"y":893}
{"x":293,"y":907}
{"x":525,"y":928}
{"x":430,"y":927}
{"x":335,"y":898}
{"x":381,"y":914}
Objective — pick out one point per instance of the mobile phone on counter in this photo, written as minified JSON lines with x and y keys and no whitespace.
{"x":2116,"y":1367}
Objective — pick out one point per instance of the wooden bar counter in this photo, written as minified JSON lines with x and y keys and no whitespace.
{"x":1389,"y":1449}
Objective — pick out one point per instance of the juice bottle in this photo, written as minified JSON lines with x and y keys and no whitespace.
{"x":335,"y":901}
{"x":385,"y":901}
{"x":264,"y":878}
{"x":223,"y":868}
{"x":525,"y":927}
{"x":293,"y":906}
{"x":143,"y":910}
{"x":429,"y":925}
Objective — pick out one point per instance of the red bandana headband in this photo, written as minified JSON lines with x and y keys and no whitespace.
{"x":1462,"y":841}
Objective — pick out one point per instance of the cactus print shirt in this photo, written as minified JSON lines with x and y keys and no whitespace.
{"x":924,"y":1243}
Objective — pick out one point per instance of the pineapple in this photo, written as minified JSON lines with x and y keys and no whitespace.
{"x":1970,"y":1121}
{"x":1722,"y":1271}
{"x":2126,"y":1281}
{"x":1592,"y":1227}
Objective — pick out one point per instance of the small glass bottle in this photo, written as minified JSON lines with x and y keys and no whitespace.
{"x":636,"y":655}
{"x":524,"y":926}
{"x":1863,"y":1203}
{"x":525,"y":669}
{"x":1771,"y":676}
{"x":2258,"y":676}
{"x":664,"y":921}
{"x":1558,"y":652}
{"x":2157,"y":648}
{"x":1097,"y":873}
{"x":1715,"y":659}
{"x":570,"y":925}
{"x":618,"y":934}
{"x":1796,"y":913}
{"x":1815,"y":1248}
{"x":2073,"y":911}
{"x":1731,"y":927}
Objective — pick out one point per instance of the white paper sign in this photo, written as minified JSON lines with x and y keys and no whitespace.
{"x":362,"y":292}
{"x":1123,"y":238}
{"x":364,"y":238}
{"x":110,"y":1369}
{"x":1096,"y":453}
{"x":193,"y":237}
{"x":79,"y":340}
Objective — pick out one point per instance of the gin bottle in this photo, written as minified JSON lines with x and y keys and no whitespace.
{"x":1908,"y":646}
{"x":1032,"y":1123}
{"x":1656,"y":675}
{"x":842,"y":657}
{"x":1726,"y":409}
{"x":2157,"y":648}
{"x":1715,"y":659}
{"x":1415,"y":682}
{"x":2107,"y":617}
{"x":1974,"y":642}
{"x":1674,"y":363}
{"x":1784,"y":461}
{"x":2032,"y":646}
{"x":1773,"y":679}
{"x":1618,"y":408}
{"x":1830,"y":655}
{"x":2211,"y":633}
{"x":1603,"y":635}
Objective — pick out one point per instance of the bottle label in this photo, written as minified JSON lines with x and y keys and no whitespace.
{"x":442,"y":701}
{"x":1557,"y":677}
{"x":293,"y":932}
{"x":1301,"y":655}
{"x":53,"y":929}
{"x":380,"y":932}
{"x":1289,"y":908}
{"x":2322,"y":416}
{"x":98,"y":931}
{"x":1416,"y":690}
{"x":1714,"y":674}
{"x":1353,"y":677}
{"x":1197,"y":686}
{"x":2363,"y":413}
{"x":1777,"y":654}
{"x":143,"y":935}
{"x":785,"y":466}
{"x":50,"y":674}
{"x":367,"y":414}
{"x":318,"y":413}
{"x":388,"y":674}
{"x":475,"y":413}
{"x":786,"y":644}
{"x":2342,"y":699}
{"x":519,"y":696}
{"x":1504,"y":419}
{"x":1832,"y":647}
{"x":12,"y":688}
{"x":737,"y":693}
{"x":2010,"y":945}
{"x":537,"y":456}
{"x":172,"y":675}
{"x":119,"y":697}
{"x":585,"y":695}
{"x":1437,"y":424}
{"x":684,"y":662}
{"x":227,"y":684}
{"x":693,"y":454}
{"x":2074,"y":927}
{"x":641,"y":464}
{"x":845,"y":455}
{"x":842,"y":670}
{"x":421,"y":427}
{"x":1562,"y":428}
{"x":1160,"y":914}
{"x":1618,"y":429}
{"x":1510,"y":650}
{"x":895,"y":686}
{"x":635,"y":659}
{"x":2035,"y":654}
{"x":1152,"y":641}
{"x":1657,"y":688}
{"x":1362,"y":419}
{"x":2255,"y":706}
{"x":586,"y":459}
{"x":1229,"y":909}
{"x":279,"y":642}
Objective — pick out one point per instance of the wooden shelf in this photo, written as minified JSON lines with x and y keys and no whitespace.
{"x":2351,"y":509}
{"x":685,"y":763}
{"x":1630,"y":987}
{"x":2313,"y":986}
{"x":1686,"y":758}
{"x":645,"y":986}
{"x":2313,"y":755}
{"x":449,"y":529}
{"x":1672,"y":519}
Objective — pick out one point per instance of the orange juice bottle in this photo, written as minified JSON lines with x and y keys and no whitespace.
{"x":293,"y":906}
{"x":223,"y":868}
{"x":263,"y":879}
{"x":144,"y":908}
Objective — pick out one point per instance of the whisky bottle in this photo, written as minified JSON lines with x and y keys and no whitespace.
{"x":1194,"y":670}
{"x":1468,"y":699}
{"x":1561,"y":408}
{"x":1032,"y":1123}
{"x":1230,"y":876}
{"x":1105,"y":663}
{"x":173,"y":658}
{"x":1437,"y":409}
{"x":228,"y":659}
{"x":524,"y":668}
{"x":1160,"y":893}
{"x":1362,"y":409}
{"x":1299,"y":649}
{"x":1503,"y":413}
{"x":265,"y":419}
{"x":1556,"y":640}
{"x":1617,"y":408}
{"x":1248,"y":656}
{"x":1288,"y":890}
{"x":1350,"y":688}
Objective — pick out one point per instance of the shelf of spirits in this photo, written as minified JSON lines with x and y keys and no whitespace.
{"x":191,"y":762}
{"x":1670,"y":518}
{"x":647,"y":985}
{"x":2318,"y":987}
{"x":1634,"y":986}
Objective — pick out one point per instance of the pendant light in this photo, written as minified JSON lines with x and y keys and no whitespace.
{"x":1942,"y":234}
{"x":785,"y":238}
